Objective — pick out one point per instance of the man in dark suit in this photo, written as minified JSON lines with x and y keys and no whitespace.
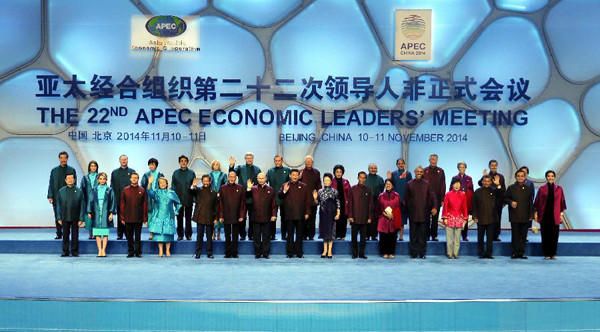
{"x":205,"y":214}
{"x":57,"y":181}
{"x":70,"y":212}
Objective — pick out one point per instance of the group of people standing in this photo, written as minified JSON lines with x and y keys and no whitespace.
{"x":245,"y":201}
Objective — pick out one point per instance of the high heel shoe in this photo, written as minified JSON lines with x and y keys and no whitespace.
{"x":323,"y":256}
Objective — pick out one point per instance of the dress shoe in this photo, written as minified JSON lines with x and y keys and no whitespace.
{"x":210,"y":256}
{"x":422,"y":257}
{"x":75,"y":254}
{"x":119,"y":237}
{"x":363,"y":256}
{"x":266,"y":256}
{"x":300,"y":256}
{"x":129,"y":255}
{"x":189,"y":238}
{"x":65,"y":254}
{"x":179,"y":238}
{"x":354,"y":256}
{"x":323,"y":256}
{"x":480,"y":257}
{"x":523,"y":257}
{"x":497,"y":240}
{"x":138,"y":255}
{"x":227,"y":256}
{"x":490,"y":257}
{"x":197,"y":256}
{"x":290,"y":256}
{"x":513,"y":257}
{"x":256,"y":256}
{"x":435,"y":239}
{"x":235,"y":256}
{"x":465,"y":240}
{"x":58,"y":237}
{"x":413,"y":256}
{"x":243,"y":238}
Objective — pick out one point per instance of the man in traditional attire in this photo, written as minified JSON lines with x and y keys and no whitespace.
{"x":246,"y":172}
{"x":519,"y":198}
{"x":485,"y":212}
{"x":297,"y":202}
{"x":180,"y":183}
{"x":421,"y":204}
{"x":264,"y":212}
{"x":119,"y":179}
{"x":57,"y":182}
{"x":360,"y":214}
{"x":232,"y":211}
{"x":437,"y":179}
{"x":276,"y":177}
{"x":205,"y":214}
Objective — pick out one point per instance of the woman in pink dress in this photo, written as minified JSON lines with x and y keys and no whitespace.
{"x":454,"y":217}
{"x":388,"y":201}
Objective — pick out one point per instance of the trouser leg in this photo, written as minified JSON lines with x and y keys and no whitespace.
{"x":199,"y":238}
{"x":129,"y":235}
{"x":354,"y":236}
{"x":299,"y":237}
{"x":66,"y":232}
{"x":59,"y":227}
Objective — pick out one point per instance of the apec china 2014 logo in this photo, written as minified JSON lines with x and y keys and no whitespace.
{"x":166,"y":26}
{"x":413,"y":26}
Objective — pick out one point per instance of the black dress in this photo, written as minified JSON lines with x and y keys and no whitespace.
{"x":549,"y":228}
{"x":330,"y":203}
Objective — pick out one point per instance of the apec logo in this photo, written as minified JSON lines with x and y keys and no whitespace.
{"x":166,"y":26}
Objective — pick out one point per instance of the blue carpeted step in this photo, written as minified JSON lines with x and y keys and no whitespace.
{"x":278,"y":247}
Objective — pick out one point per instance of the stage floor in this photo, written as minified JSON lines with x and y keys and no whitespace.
{"x":310,"y":279}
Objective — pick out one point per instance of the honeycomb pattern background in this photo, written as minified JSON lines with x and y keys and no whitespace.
{"x":555,"y":44}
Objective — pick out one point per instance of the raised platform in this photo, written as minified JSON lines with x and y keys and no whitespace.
{"x":311,"y":294}
{"x":41,"y":241}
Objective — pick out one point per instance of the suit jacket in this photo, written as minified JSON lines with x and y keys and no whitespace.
{"x":232,"y":204}
{"x":263,"y":206}
{"x":133,"y":207}
{"x":56,"y":183}
{"x":77,"y":209}
{"x":360,"y":204}
{"x":297,"y":201}
{"x":207,"y":206}
{"x":109,"y":205}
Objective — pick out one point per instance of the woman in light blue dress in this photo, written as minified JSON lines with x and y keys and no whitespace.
{"x":152,"y":165}
{"x":166,"y":206}
{"x":101,"y":209}
{"x":217,"y":179}
{"x":88,"y":183}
